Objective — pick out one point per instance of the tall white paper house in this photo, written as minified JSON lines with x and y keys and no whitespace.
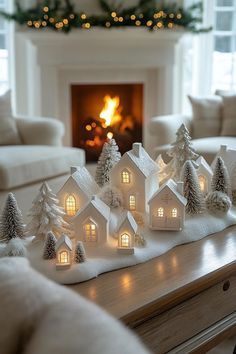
{"x":136,"y":176}
{"x":167,"y":207}
{"x":77,"y":191}
{"x":91,"y":223}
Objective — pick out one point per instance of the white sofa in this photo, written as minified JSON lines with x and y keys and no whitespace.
{"x":163,"y":130}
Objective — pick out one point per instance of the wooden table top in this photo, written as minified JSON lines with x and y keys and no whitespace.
{"x":135,"y":293}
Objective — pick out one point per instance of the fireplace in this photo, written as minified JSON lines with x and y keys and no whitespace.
{"x":104,"y":111}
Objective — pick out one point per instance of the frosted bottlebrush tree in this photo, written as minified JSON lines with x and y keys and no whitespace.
{"x":192,"y":192}
{"x":46,"y":215}
{"x":110,"y":155}
{"x":220,"y":179}
{"x":49,"y":250}
{"x":11,"y":223}
{"x":80,"y":256}
{"x":181,"y":151}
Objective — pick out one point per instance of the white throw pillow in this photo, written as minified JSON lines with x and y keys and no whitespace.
{"x":207,"y":116}
{"x":229,"y":116}
{"x":8,"y":128}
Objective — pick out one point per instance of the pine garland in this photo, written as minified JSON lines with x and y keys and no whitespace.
{"x":61,"y":15}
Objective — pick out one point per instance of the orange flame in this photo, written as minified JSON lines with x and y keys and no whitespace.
{"x":111,"y":111}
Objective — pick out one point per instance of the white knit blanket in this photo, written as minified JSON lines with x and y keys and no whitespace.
{"x":106,"y":259}
{"x":41,"y":317}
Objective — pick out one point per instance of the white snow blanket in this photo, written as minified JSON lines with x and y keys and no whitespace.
{"x":104,"y":259}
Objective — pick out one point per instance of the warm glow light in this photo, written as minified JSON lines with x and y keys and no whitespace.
{"x":174,"y":213}
{"x":90,"y":232}
{"x":88,"y":127}
{"x":125,"y":177}
{"x":83,"y":16}
{"x":65,"y":21}
{"x":132,"y":202}
{"x":70,"y":205}
{"x":29,"y":23}
{"x":113,"y":14}
{"x":179,"y":16}
{"x":110,"y":112}
{"x":149,"y":23}
{"x":110,"y":135}
{"x":160,"y":212}
{"x":64,"y":257}
{"x":133,"y":17}
{"x":125,"y":241}
{"x":45,"y":9}
{"x":202,"y":182}
{"x":138,"y":23}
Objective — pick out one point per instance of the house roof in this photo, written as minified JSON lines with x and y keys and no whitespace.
{"x":143,"y":161}
{"x":64,"y":239}
{"x":170,"y":184}
{"x":127,"y":217}
{"x":202,"y":162}
{"x":99,"y":205}
{"x":85,"y":181}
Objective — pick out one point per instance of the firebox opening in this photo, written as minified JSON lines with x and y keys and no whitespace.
{"x":103,"y":111}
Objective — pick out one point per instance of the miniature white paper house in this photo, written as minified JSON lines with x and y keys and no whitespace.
{"x":77,"y":191}
{"x":63,"y":252}
{"x":167,"y":207}
{"x":136,"y":176}
{"x":126,"y":231}
{"x":229,"y":158}
{"x":91,"y":223}
{"x":204,"y":172}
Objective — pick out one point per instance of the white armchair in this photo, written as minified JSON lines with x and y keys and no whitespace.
{"x":163,"y":130}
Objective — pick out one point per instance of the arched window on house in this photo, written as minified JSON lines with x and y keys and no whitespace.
{"x":64,"y":257}
{"x":70,"y":205}
{"x":125,"y":240}
{"x":91,"y":231}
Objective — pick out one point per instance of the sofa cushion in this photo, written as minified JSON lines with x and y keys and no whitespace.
{"x":229,"y":115}
{"x":20,"y":165}
{"x":207,"y":116}
{"x":207,"y":147}
{"x":8,"y":128}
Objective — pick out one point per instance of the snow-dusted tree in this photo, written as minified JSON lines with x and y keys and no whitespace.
{"x":11,"y":222}
{"x":46,"y":215}
{"x":181,"y":151}
{"x":111,"y":196}
{"x":218,"y":201}
{"x":220,"y":179}
{"x":80,"y":255}
{"x":15,"y":248}
{"x":192,"y":192}
{"x":49,"y":250}
{"x":110,"y":155}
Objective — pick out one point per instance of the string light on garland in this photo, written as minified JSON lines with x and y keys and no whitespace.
{"x":60,"y":15}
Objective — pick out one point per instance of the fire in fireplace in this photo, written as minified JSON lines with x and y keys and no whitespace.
{"x":100,"y":112}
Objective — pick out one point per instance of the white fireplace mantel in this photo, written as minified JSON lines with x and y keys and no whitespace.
{"x":55,"y":60}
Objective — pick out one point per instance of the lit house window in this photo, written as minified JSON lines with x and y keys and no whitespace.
{"x":64,"y":258}
{"x":202,"y":183}
{"x":125,"y":176}
{"x":125,"y":240}
{"x":70,"y":206}
{"x":90,"y":232}
{"x":132,"y":202}
{"x":160,"y":212}
{"x":174,"y":213}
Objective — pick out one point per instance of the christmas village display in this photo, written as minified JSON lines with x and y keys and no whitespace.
{"x":130,"y":195}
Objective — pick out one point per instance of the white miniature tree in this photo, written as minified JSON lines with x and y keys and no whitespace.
{"x":192,"y":192}
{"x":218,"y":202}
{"x":46,"y":215}
{"x":220,"y":179}
{"x":181,"y":151}
{"x":15,"y":248}
{"x":49,"y":250}
{"x":110,"y":155}
{"x":112,"y":197}
{"x":80,"y":255}
{"x":11,"y":223}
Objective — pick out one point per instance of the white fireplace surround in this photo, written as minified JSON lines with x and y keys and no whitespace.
{"x":49,"y":63}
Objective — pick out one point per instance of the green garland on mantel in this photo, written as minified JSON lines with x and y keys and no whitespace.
{"x":60,"y":15}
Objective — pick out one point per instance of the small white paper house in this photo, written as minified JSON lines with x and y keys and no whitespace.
{"x":77,"y":191}
{"x":126,"y":231}
{"x":204,"y":172}
{"x":229,"y":158}
{"x":167,"y":207}
{"x":63,"y":252}
{"x":91,"y":223}
{"x":136,"y":176}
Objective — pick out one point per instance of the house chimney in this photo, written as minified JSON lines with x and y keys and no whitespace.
{"x":137,"y":149}
{"x":180,"y":187}
{"x":73,"y":169}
